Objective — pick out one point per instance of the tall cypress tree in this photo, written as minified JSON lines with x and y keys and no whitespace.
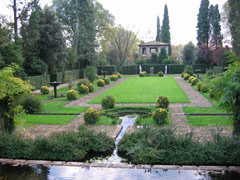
{"x":165,"y":33}
{"x":158,"y":37}
{"x":203,"y":26}
{"x":234,"y":20}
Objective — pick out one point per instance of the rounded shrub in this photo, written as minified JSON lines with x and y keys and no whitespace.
{"x":143,"y":74}
{"x":114,"y":78}
{"x":160,"y":73}
{"x":84,"y":82}
{"x":190,"y":79}
{"x":186,"y":76}
{"x":100,"y":83}
{"x":162,"y":102}
{"x":90,"y":87}
{"x":182,"y":75}
{"x":119,"y":75}
{"x":108,"y":102}
{"x":83,"y":89}
{"x":199,"y":85}
{"x":189,"y":70}
{"x":194,"y":81}
{"x":30,"y":103}
{"x":107,"y":81}
{"x":90,"y":73}
{"x":212,"y":93}
{"x":72,"y":95}
{"x":160,"y":115}
{"x":44,"y":90}
{"x":204,"y":88}
{"x":91,"y":116}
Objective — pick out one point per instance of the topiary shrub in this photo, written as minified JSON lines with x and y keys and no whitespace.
{"x":100,"y":83}
{"x":160,"y":73}
{"x":199,"y":85}
{"x":30,"y":103}
{"x":162,"y":102}
{"x":44,"y":90}
{"x":188,"y":69}
{"x":72,"y":95}
{"x":204,"y":88}
{"x":186,"y":76}
{"x":107,"y":81}
{"x":143,"y":74}
{"x":119,"y":75}
{"x":182,"y":75}
{"x":83,"y":89}
{"x":90,"y":72}
{"x":194,"y":81}
{"x":190,"y":79}
{"x":114,"y":78}
{"x":108,"y":102}
{"x":90,"y":87}
{"x":85,"y":82}
{"x":91,"y":116}
{"x":160,"y":115}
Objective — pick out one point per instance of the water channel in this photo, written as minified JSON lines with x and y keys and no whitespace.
{"x":41,"y":172}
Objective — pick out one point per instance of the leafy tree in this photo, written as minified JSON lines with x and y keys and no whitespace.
{"x":154,"y":58}
{"x":177,"y":52}
{"x":188,"y":54}
{"x":198,"y":58}
{"x":234,"y":20}
{"x":10,"y":89}
{"x":158,"y":37}
{"x":163,"y":55}
{"x":165,"y":31}
{"x":203,"y":26}
{"x":227,"y":91}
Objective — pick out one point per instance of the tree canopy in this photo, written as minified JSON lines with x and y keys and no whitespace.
{"x":165,"y":30}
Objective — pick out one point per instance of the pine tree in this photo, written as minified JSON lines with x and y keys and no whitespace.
{"x":158,"y":37}
{"x":234,"y":20}
{"x":203,"y":26}
{"x":188,"y":54}
{"x":165,"y":33}
{"x":162,"y":55}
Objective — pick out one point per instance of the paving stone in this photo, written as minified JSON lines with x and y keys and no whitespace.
{"x":213,"y":168}
{"x":45,"y":163}
{"x":172,"y":167}
{"x":78,"y":164}
{"x":6,"y":161}
{"x":58,"y":163}
{"x":17,"y":162}
{"x":130,"y":166}
{"x":189,"y":168}
{"x":99,"y":165}
{"x":234,"y":168}
{"x":142,"y":166}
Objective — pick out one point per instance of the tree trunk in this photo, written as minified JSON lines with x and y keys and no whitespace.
{"x":236,"y":130}
{"x":15,"y":17}
{"x":8,"y":125}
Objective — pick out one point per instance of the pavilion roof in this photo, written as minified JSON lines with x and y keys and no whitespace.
{"x":154,"y":43}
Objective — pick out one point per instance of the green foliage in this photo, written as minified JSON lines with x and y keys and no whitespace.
{"x":119,"y":75}
{"x":154,"y":58}
{"x":194,"y":81}
{"x":189,"y":70}
{"x":90,"y":73}
{"x":190,"y":79}
{"x":163,"y":55}
{"x":84,"y":82}
{"x":188,"y":54}
{"x":83,"y":89}
{"x":72,"y":95}
{"x":90,"y":87}
{"x":203,"y":25}
{"x":201,"y":67}
{"x":161,"y":146}
{"x":100,"y":83}
{"x":10,"y":89}
{"x":186,"y":76}
{"x":160,"y":73}
{"x":158,"y":37}
{"x":204,"y":88}
{"x":110,"y":69}
{"x":30,"y":103}
{"x":165,"y":31}
{"x":140,"y":61}
{"x":199,"y":85}
{"x":114,"y":78}
{"x":143,"y":74}
{"x":108,"y":102}
{"x":129,"y":69}
{"x":107,"y":81}
{"x":44,"y":90}
{"x":162,"y":102}
{"x":91,"y":116}
{"x":64,"y":146}
{"x":167,"y":61}
{"x":160,"y":115}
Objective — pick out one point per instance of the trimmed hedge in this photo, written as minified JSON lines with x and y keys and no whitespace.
{"x":201,"y":67}
{"x":130,"y":69}
{"x":175,"y":68}
{"x":110,"y":69}
{"x":43,"y":80}
{"x":157,"y":68}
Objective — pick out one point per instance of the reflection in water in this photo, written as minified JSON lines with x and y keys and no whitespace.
{"x":68,"y":172}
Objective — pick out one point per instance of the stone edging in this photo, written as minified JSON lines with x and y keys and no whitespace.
{"x":18,"y":162}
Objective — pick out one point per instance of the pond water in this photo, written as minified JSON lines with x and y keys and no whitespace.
{"x":69,"y":172}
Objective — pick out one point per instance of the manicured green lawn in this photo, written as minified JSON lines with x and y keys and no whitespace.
{"x":145,"y":90}
{"x":209,"y":120}
{"x":104,"y":120}
{"x":203,"y":110}
{"x":58,"y":107}
{"x":30,"y":120}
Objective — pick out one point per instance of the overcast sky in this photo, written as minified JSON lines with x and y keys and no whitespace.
{"x":141,"y":16}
